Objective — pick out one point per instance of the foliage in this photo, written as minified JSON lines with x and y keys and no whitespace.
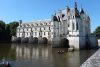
{"x":13,"y":26}
{"x":7,"y":30}
{"x":2,"y":25}
{"x":97,"y":32}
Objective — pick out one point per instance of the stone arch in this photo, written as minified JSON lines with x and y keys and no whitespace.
{"x":18,"y":40}
{"x":65,"y":43}
{"x":35,"y":40}
{"x":24,"y":40}
{"x":44,"y":40}
{"x":31,"y":40}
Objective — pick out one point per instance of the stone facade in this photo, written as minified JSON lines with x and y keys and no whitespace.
{"x":66,"y":28}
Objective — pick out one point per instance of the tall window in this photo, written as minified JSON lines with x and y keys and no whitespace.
{"x":73,"y":26}
{"x":39,"y":33}
{"x":40,"y":28}
{"x":48,"y":33}
{"x":68,"y":24}
{"x":35,"y":33}
{"x":76,"y":26}
{"x":44,"y":33}
{"x":35,"y":29}
{"x":44,"y":28}
{"x":49,"y":28}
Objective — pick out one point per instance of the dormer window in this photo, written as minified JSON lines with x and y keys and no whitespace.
{"x":63,"y":15}
{"x":41,"y":24}
{"x":32,"y":25}
{"x":46,"y":23}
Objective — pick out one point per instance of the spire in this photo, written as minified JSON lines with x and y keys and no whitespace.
{"x":68,"y":9}
{"x":76,"y":11}
{"x":75,"y":5}
{"x":82,"y":11}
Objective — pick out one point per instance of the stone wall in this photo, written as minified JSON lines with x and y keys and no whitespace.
{"x":93,"y":42}
{"x":74,"y":41}
{"x":99,"y":42}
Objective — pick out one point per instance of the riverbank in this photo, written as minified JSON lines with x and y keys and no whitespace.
{"x":93,"y":61}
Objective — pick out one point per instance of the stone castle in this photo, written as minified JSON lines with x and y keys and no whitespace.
{"x":66,"y":28}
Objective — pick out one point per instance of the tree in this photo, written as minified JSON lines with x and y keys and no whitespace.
{"x":13,"y":26}
{"x":97,"y":31}
{"x":7,"y":30}
{"x":2,"y":25}
{"x":2,"y":30}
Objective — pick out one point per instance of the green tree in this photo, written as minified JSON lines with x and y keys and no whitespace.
{"x":97,"y":31}
{"x":13,"y":26}
{"x":2,"y":31}
{"x":2,"y":25}
{"x":7,"y":30}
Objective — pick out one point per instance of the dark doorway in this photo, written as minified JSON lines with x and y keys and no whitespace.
{"x":35,"y":40}
{"x":65,"y":43}
{"x":44,"y":40}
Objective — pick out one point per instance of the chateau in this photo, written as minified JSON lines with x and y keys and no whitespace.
{"x":66,"y":28}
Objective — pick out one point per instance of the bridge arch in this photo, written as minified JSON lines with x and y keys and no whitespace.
{"x":44,"y":40}
{"x":18,"y":40}
{"x":24,"y":40}
{"x":35,"y":40}
{"x":65,"y":43}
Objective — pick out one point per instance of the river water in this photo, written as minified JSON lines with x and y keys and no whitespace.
{"x":29,"y":55}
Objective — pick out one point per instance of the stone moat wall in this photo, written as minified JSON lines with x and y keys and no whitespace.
{"x":65,"y":42}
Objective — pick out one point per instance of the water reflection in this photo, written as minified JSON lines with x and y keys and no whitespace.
{"x":31,"y":52}
{"x":29,"y":55}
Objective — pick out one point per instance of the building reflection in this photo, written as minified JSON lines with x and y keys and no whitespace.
{"x":30,"y":52}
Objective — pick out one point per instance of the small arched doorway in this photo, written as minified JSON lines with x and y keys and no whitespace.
{"x":44,"y":40}
{"x":65,"y":43}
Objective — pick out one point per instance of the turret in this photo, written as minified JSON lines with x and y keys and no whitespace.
{"x":20,"y":22}
{"x":76,"y":11}
{"x":68,"y":9}
{"x":75,"y":5}
{"x":82,"y":11}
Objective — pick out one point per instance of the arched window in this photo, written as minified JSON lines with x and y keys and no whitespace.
{"x":76,"y":26}
{"x":49,"y":28}
{"x":68,"y":24}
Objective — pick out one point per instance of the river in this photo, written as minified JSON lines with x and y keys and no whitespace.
{"x":29,"y":55}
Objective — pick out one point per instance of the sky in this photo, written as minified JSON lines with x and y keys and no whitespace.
{"x":30,"y":10}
